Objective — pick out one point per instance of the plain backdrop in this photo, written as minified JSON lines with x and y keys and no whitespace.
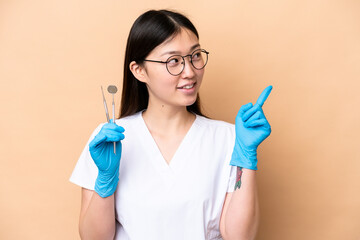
{"x":55,"y":55}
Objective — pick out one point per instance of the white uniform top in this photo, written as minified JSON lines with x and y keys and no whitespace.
{"x":159,"y":201}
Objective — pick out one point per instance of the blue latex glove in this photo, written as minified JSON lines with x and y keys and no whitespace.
{"x":251,"y":129}
{"x":102,"y":152}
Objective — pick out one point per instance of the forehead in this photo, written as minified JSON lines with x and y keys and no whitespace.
{"x":181,"y":43}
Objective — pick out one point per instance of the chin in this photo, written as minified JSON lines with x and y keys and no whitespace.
{"x":190,"y":102}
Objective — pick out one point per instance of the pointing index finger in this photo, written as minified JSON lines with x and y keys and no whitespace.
{"x":264,"y":95}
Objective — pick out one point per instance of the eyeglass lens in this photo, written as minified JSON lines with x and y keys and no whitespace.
{"x":175,"y":64}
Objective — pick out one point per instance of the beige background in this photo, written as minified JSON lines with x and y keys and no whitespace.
{"x":54,"y":55}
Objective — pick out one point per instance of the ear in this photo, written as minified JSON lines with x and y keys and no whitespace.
{"x":138,"y":71}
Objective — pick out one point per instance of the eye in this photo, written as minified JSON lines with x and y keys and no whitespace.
{"x":196,"y":55}
{"x":174,"y":61}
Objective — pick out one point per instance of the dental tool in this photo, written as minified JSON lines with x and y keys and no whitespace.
{"x":113,"y":89}
{"x":105,"y":105}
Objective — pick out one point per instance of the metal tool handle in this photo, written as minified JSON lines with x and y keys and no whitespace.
{"x":113,"y":111}
{"x":105,"y":106}
{"x":107,"y":113}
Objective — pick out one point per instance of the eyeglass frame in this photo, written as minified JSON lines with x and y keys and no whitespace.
{"x":183,"y":57}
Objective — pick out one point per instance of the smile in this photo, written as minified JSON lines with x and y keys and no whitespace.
{"x":188,"y":86}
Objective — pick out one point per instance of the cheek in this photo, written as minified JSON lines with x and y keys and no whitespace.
{"x":162,"y":83}
{"x":200,"y":75}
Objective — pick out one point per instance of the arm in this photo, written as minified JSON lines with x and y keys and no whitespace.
{"x":97,"y":216}
{"x":240,"y":215}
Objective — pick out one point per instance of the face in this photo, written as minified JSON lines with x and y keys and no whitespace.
{"x":168,"y":90}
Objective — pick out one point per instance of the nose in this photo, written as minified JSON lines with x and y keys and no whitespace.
{"x":189,"y":70}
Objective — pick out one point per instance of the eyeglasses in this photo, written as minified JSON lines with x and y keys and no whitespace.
{"x":176,"y":63}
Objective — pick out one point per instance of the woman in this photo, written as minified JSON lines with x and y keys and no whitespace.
{"x":170,"y":177}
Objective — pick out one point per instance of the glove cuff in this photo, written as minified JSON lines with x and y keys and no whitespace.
{"x":244,"y":158}
{"x":106,"y":185}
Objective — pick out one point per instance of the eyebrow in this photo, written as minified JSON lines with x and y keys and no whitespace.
{"x":177,"y":52}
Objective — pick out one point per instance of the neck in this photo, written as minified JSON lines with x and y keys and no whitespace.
{"x":167,"y":119}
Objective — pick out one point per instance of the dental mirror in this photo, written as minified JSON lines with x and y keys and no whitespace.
{"x":112,"y":89}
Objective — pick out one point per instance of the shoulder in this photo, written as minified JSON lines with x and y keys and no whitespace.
{"x":121,"y":121}
{"x":215,"y":124}
{"x":128,"y":120}
{"x":124,"y":122}
{"x":218,"y":127}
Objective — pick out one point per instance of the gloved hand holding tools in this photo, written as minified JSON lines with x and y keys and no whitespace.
{"x":106,"y":155}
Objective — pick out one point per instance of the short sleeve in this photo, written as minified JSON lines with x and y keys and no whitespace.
{"x":232,"y":179}
{"x":233,"y":169}
{"x":85,"y":171}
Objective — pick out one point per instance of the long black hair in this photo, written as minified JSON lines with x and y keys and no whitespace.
{"x":148,"y":31}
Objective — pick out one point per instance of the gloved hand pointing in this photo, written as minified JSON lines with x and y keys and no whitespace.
{"x":102,"y":152}
{"x":251,"y":128}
